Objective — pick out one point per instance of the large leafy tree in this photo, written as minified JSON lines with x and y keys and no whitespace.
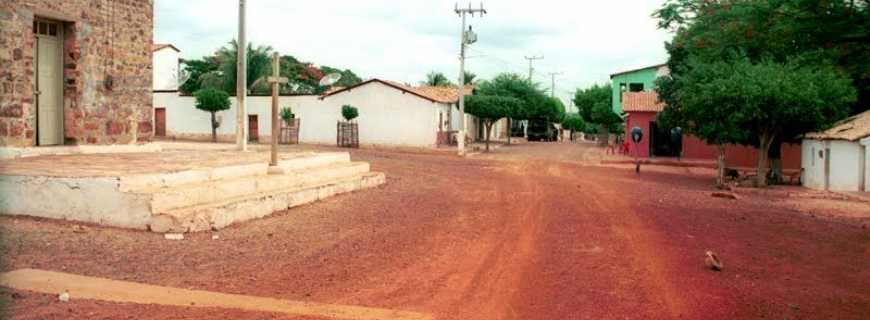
{"x":196,"y":68}
{"x":779,"y":30}
{"x":519,"y":87}
{"x":348,"y":78}
{"x":574,"y":122}
{"x":738,"y":101}
{"x":587,"y":99}
{"x":813,"y":34}
{"x":211,"y":101}
{"x":436,"y":79}
{"x":490,"y":109}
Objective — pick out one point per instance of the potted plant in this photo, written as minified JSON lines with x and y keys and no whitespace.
{"x":289,"y":127}
{"x":347,"y":134}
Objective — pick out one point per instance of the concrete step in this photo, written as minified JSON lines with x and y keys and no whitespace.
{"x":219,"y":214}
{"x":203,"y":192}
{"x":146,"y":183}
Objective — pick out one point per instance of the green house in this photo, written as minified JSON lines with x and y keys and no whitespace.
{"x":636,"y":80}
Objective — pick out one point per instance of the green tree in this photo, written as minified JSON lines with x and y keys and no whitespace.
{"x":742,"y":102}
{"x":287,"y":114}
{"x":196,"y":69}
{"x":515,"y":86}
{"x":437,"y":79}
{"x":212,"y":101}
{"x":259,"y":66}
{"x":489,"y":109}
{"x":818,"y":34}
{"x":349,"y":112}
{"x":603,"y":115}
{"x":575,"y":123}
{"x":587,"y":99}
{"x":470,"y":77}
{"x":348,"y":78}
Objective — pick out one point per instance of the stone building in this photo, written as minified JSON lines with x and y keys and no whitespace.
{"x":75,"y":72}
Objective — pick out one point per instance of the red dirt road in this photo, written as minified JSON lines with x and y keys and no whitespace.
{"x":529,"y":232}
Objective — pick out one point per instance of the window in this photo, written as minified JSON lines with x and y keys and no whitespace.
{"x":621,"y":90}
{"x":635,"y":87}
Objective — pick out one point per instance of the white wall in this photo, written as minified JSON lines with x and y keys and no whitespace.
{"x":866,"y":144}
{"x":845,"y":165}
{"x":813,"y":164}
{"x":165,"y":68}
{"x":386,"y":116}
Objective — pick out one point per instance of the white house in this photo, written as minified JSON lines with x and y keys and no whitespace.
{"x":165,"y":58}
{"x":837,"y":159}
{"x":390,"y":114}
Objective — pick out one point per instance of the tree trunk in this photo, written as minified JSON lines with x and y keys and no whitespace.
{"x":509,"y":130}
{"x":774,"y":160}
{"x":213,"y":128}
{"x":720,"y":162}
{"x":487,"y":126}
{"x":764,"y":147}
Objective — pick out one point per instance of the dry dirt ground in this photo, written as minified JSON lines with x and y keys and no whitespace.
{"x":528,"y":232}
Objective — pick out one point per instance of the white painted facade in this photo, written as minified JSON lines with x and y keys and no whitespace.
{"x":836,"y":165}
{"x":165,"y":69}
{"x":387,"y":116}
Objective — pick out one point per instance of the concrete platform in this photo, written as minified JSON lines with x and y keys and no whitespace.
{"x":174,"y":191}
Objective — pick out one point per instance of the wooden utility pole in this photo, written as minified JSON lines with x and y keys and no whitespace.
{"x":276,"y":80}
{"x":241,"y":83}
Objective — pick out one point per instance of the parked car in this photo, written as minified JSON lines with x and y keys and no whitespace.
{"x":542,"y":130}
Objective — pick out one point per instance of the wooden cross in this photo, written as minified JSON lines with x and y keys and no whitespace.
{"x":275,"y":80}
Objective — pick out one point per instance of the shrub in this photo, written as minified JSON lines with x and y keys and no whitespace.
{"x":287,"y":114}
{"x":349,"y":112}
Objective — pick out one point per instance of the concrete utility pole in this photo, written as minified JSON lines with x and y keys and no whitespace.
{"x":531,"y":67}
{"x":241,"y":83}
{"x":463,"y":42}
{"x":275,"y":80}
{"x":553,"y":83}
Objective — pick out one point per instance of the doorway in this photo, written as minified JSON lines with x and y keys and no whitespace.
{"x":48,"y":55}
{"x":660,"y":142}
{"x":253,"y":128}
{"x":160,"y":122}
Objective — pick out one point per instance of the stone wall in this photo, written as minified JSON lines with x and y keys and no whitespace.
{"x":107,"y":70}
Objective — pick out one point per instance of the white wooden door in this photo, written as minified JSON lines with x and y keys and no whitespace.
{"x":49,"y":82}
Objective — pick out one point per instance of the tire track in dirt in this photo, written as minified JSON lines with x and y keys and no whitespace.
{"x":647,"y":260}
{"x":594,"y":258}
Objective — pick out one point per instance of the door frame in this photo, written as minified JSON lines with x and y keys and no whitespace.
{"x":157,"y":132}
{"x":253,"y":122}
{"x":59,"y":83}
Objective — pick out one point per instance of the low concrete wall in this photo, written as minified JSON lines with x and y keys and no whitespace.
{"x":95,"y":200}
{"x":14,"y":152}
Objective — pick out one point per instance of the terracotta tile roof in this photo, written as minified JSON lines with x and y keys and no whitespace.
{"x":444,"y":94}
{"x":853,"y":128}
{"x":645,"y":101}
{"x":159,"y":46}
{"x":434,"y":94}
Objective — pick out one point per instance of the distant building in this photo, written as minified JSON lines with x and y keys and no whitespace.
{"x":837,"y":159}
{"x":636,"y":80}
{"x":165,"y":61}
{"x":75,"y":72}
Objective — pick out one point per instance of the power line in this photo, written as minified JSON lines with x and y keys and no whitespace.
{"x":531,"y":66}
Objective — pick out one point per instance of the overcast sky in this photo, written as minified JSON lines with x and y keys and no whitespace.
{"x":402,"y":40}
